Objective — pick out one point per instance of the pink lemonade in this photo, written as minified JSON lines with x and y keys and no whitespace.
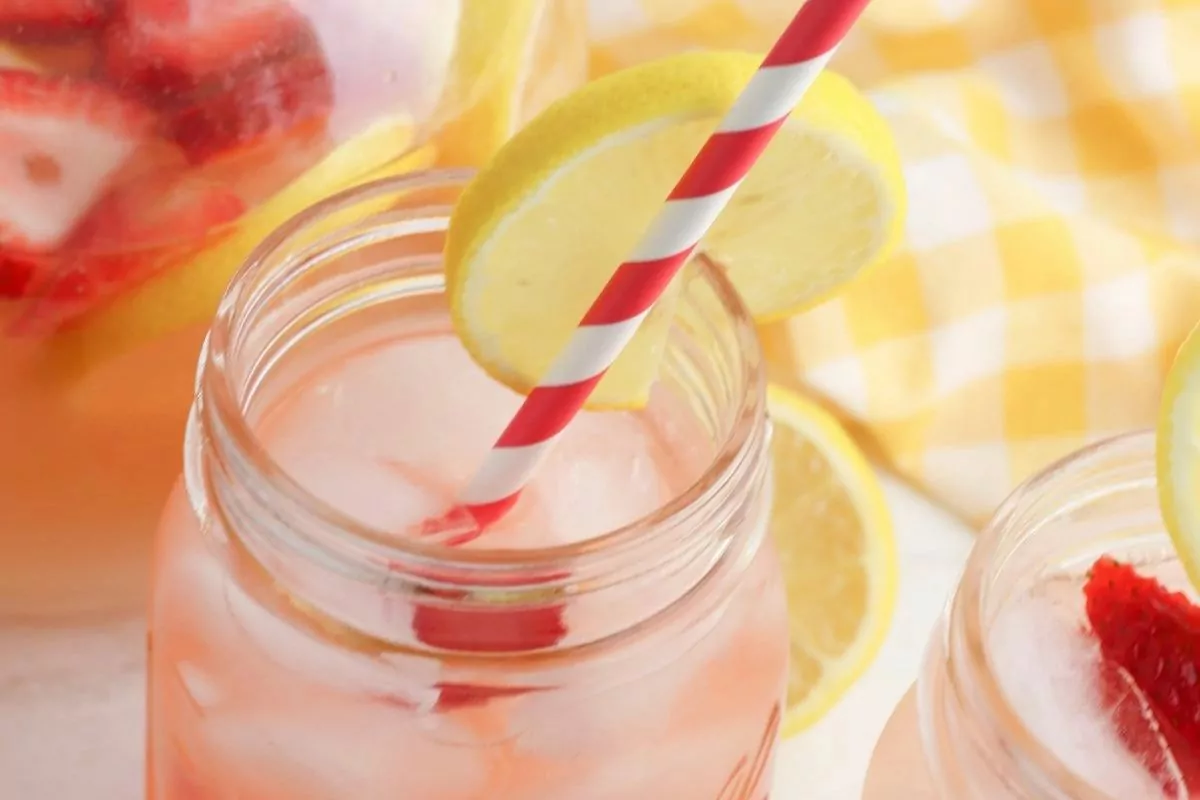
{"x":1017,"y":699}
{"x":621,"y":635}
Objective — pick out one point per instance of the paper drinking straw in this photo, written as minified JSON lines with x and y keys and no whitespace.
{"x":701,"y":194}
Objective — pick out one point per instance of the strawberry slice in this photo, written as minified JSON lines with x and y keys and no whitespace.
{"x":51,"y":17}
{"x":62,"y":140}
{"x":488,"y":630}
{"x":16,"y":274}
{"x":1153,"y":636}
{"x":444,"y":623}
{"x":258,"y":107}
{"x":157,"y":210}
{"x":170,"y":46}
{"x":224,"y":74}
{"x":1154,"y":745}
{"x":136,"y":230}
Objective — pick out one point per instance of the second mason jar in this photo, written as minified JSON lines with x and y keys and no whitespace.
{"x":622,"y":633}
{"x":1015,"y":700}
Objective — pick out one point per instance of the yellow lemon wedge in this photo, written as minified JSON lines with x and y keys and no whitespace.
{"x":831,"y":525}
{"x":521,"y":54}
{"x":188,"y":292}
{"x":539,"y":231}
{"x":1177,"y":450}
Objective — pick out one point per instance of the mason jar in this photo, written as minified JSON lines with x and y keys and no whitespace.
{"x":324,"y":626}
{"x":1014,"y":700}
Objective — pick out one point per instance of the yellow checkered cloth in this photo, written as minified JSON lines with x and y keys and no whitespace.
{"x":1051,"y":262}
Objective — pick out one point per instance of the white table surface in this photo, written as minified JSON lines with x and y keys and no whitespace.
{"x":829,"y":761}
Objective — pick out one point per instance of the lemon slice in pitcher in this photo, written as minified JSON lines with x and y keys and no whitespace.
{"x":188,"y":292}
{"x":540,"y":230}
{"x":521,"y":53}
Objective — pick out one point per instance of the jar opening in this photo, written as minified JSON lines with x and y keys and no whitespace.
{"x":361,"y":256}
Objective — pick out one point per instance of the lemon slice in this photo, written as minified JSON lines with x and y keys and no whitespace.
{"x":189,"y":292}
{"x":540,"y":230}
{"x":1177,"y":451}
{"x":523,"y":54}
{"x":832,"y":528}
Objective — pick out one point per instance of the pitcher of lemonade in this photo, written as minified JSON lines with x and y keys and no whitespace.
{"x":146,"y":146}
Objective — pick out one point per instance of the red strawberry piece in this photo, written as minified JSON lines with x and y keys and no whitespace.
{"x":157,"y":210}
{"x":16,"y":274}
{"x":62,"y":140}
{"x":1153,"y":635}
{"x":261,"y":106}
{"x":136,"y":230}
{"x":51,"y":17}
{"x":455,"y":696}
{"x":173,"y":46}
{"x":1154,"y":745}
{"x":445,"y":621}
{"x":487,"y":630}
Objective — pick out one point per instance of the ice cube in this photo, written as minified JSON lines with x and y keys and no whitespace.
{"x":580,"y":720}
{"x":191,"y":616}
{"x":388,"y":495}
{"x":320,"y":750}
{"x":1059,"y":694}
{"x":393,"y":432}
{"x":419,"y":402}
{"x":304,"y":661}
{"x":612,"y":705}
{"x":603,"y":474}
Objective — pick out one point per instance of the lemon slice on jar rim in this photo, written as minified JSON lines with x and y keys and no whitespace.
{"x":540,"y":229}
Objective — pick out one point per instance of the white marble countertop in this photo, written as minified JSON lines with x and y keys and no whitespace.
{"x":829,"y":761}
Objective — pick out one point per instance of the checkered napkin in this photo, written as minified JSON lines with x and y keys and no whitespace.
{"x":1051,"y":264}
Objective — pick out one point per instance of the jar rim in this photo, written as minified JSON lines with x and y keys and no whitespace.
{"x":746,"y":435}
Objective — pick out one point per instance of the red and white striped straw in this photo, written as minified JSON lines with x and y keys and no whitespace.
{"x":701,"y":194}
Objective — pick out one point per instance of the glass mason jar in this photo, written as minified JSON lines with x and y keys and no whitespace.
{"x":310,"y":642}
{"x":1011,"y":700}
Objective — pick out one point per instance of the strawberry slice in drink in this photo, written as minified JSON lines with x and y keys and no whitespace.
{"x":51,"y":18}
{"x":223,"y":74}
{"x":1149,"y":637}
{"x":16,"y":273}
{"x":62,"y":141}
{"x":170,"y":46}
{"x":136,"y":230}
{"x":481,"y":621}
{"x":256,"y":109}
{"x":487,"y":630}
